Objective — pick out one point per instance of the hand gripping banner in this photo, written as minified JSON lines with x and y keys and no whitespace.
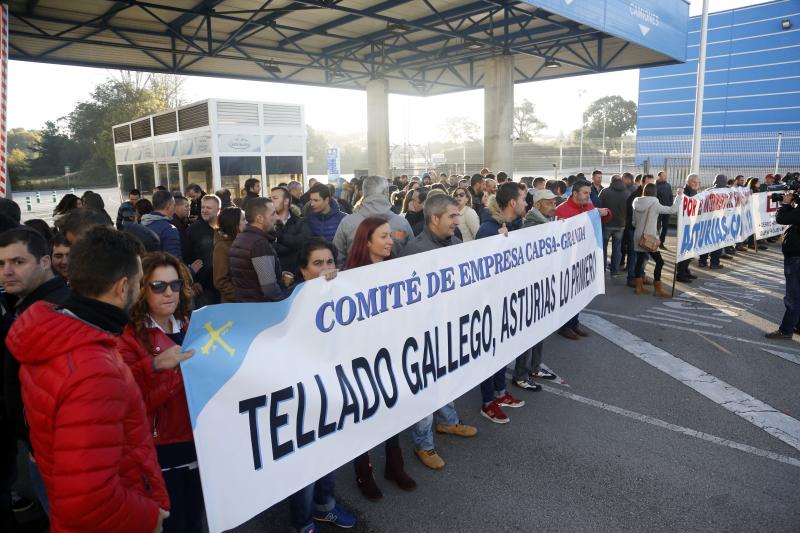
{"x":282,"y":393}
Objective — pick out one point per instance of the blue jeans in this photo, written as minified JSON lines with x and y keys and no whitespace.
{"x":615,"y":234}
{"x":791,"y":318}
{"x":631,"y":260}
{"x":318,"y":495}
{"x":422,"y":431}
{"x":494,"y":386}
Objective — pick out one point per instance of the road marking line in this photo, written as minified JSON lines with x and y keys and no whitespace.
{"x":716,"y":345}
{"x":675,"y":313}
{"x":672,"y":427}
{"x":658,"y":318}
{"x":788,"y":356}
{"x":758,"y":413}
{"x":682,"y":328}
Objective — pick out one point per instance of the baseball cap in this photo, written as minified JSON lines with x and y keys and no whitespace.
{"x":543,"y":194}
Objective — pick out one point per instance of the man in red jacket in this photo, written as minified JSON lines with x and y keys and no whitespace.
{"x":578,"y":203}
{"x":88,"y":426}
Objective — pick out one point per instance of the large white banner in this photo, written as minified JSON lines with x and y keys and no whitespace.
{"x":283,"y":393}
{"x":712,"y":220}
{"x":764,"y":210}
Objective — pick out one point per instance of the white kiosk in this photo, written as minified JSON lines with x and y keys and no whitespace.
{"x":217,"y":144}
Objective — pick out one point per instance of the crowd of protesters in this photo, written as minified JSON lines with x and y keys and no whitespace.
{"x":94,"y":311}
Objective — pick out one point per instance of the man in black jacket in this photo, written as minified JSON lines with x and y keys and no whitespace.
{"x":291,"y":231}
{"x":665,"y":197}
{"x":691,"y":188}
{"x":27,"y":276}
{"x":789,"y":214}
{"x":199,"y":244}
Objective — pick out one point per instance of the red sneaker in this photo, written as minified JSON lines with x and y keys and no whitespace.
{"x":509,"y":401}
{"x":495,"y":414}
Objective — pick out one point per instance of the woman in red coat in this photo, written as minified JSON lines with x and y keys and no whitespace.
{"x":150,"y":346}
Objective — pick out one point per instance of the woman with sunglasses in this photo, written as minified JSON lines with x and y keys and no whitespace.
{"x":150,"y":346}
{"x":469,"y":221}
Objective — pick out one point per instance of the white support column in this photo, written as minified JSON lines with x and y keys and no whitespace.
{"x":498,"y":114}
{"x":378,"y":127}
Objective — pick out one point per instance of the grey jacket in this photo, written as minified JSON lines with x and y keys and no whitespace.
{"x":375,"y":205}
{"x":645,"y":217}
{"x":615,"y":198}
{"x":427,"y":241}
{"x":534,"y":218}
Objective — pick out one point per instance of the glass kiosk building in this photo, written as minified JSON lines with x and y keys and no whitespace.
{"x":217,"y":144}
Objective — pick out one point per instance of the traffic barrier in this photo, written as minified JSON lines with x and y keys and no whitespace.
{"x":28,"y":202}
{"x":38,"y":197}
{"x":54,"y":197}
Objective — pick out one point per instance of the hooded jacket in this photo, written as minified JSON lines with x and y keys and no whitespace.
{"x":167,"y":233}
{"x":494,"y":221}
{"x":570,"y":209}
{"x":645,"y":217}
{"x":125,"y":213}
{"x":534,"y":218}
{"x":325,"y":226}
{"x":375,"y":205}
{"x":614,"y":198}
{"x":88,"y":425}
{"x":148,"y":238}
{"x":791,"y":236}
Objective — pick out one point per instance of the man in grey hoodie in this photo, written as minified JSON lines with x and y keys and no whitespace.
{"x":375,"y":203}
{"x":614,"y":198}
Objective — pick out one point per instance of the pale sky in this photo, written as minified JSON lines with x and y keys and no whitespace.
{"x":39,"y":92}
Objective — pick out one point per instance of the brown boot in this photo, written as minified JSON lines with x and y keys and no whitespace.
{"x":639,"y":286}
{"x":658,"y":290}
{"x":646,"y":280}
{"x":365,"y":480}
{"x":395,"y":472}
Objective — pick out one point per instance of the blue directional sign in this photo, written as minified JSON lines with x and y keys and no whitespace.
{"x":659,"y":25}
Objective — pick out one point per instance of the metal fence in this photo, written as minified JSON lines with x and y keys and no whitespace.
{"x":750,"y":154}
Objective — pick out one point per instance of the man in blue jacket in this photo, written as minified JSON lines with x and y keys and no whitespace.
{"x":506,"y":209}
{"x":324,"y":217}
{"x":159,"y":222}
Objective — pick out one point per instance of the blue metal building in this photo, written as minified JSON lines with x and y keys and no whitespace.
{"x":752,"y":92}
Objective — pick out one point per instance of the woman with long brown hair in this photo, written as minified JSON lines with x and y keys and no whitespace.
{"x":372,"y":244}
{"x":150,"y":345}
{"x":231,"y":221}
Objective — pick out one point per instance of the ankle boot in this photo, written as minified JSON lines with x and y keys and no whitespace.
{"x":659,"y":291}
{"x":638,"y":284}
{"x":365,"y":480}
{"x":395,"y":471}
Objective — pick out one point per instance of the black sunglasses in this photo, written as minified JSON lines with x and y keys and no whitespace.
{"x":459,"y":195}
{"x":160,"y":287}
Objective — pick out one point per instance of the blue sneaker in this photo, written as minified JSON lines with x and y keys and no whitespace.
{"x":336,"y":516}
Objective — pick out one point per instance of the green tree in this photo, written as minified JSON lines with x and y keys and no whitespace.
{"x":619,"y":115}
{"x":526,"y":123}
{"x":55,"y":150}
{"x":112,"y":102}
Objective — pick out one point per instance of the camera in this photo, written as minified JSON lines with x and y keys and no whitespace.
{"x":791,"y":184}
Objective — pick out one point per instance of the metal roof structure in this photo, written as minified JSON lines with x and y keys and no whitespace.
{"x":422,"y":47}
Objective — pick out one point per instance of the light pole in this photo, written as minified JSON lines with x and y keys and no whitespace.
{"x":581,"y":93}
{"x":603,"y":156}
{"x":698,"y":103}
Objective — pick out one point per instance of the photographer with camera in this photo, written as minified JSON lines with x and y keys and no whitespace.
{"x":789,"y":214}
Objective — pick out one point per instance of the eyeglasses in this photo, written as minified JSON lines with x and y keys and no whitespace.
{"x":459,"y":195}
{"x":160,"y":287}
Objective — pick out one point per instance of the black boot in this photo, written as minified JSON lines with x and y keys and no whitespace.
{"x":395,"y":470}
{"x":365,"y":480}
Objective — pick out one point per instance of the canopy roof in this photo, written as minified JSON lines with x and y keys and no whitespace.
{"x":421,"y":47}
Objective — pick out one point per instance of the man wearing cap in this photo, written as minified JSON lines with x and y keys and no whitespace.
{"x":528,"y":365}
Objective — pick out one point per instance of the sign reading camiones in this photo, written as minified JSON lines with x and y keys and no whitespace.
{"x":283,"y":393}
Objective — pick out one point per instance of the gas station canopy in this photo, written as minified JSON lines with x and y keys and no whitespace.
{"x":421,"y":47}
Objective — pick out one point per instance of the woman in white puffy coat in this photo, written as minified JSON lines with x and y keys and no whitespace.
{"x":646,"y":210}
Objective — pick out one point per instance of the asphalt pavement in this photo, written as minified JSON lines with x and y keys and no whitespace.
{"x":629,"y":438}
